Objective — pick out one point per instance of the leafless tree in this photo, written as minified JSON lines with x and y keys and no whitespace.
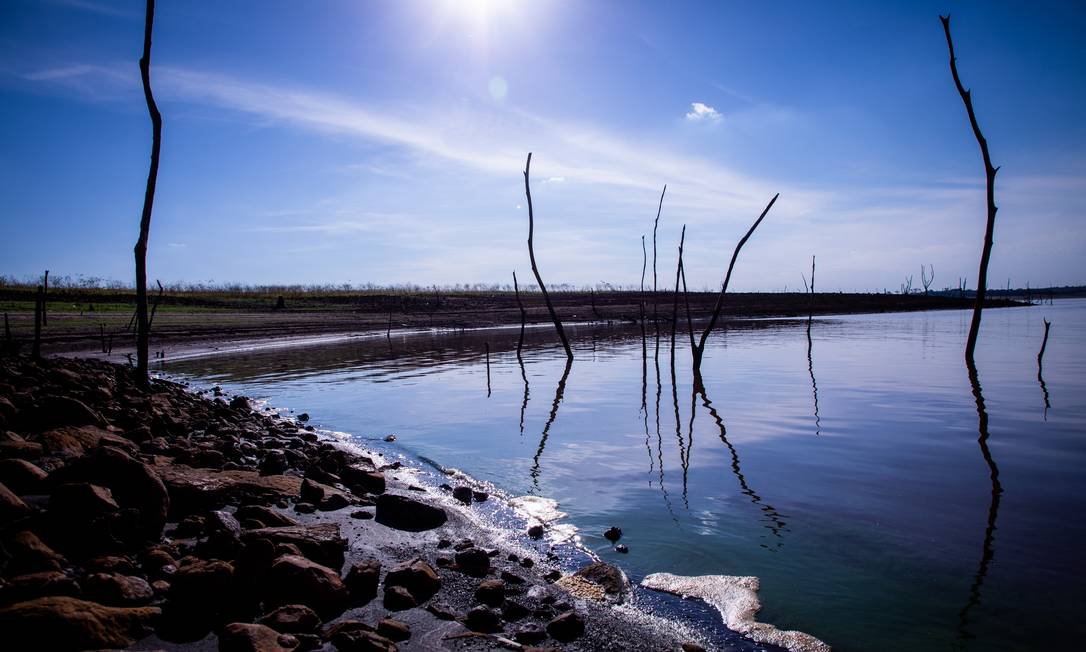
{"x":523,"y":316}
{"x":535,"y":268}
{"x":927,"y":278}
{"x":655,"y":226}
{"x":699,"y":350}
{"x":989,"y":175}
{"x":143,"y":323}
{"x":39,"y":301}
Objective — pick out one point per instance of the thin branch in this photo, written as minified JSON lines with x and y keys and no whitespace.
{"x":989,"y":176}
{"x":523,"y":316}
{"x":535,"y":268}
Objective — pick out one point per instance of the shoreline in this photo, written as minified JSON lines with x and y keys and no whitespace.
{"x":125,"y":512}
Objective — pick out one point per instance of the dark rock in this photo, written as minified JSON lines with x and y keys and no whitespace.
{"x":265,"y":515}
{"x":65,"y":623}
{"x":249,"y":637}
{"x":362,"y":515}
{"x":21,"y":477}
{"x":512,"y":578}
{"x":398,"y":598}
{"x":202,"y":596}
{"x":190,"y":526}
{"x":200,"y":490}
{"x":362,"y":640}
{"x":57,"y":411}
{"x":463,"y":494}
{"x":240,"y":403}
{"x":81,"y":501}
{"x":303,"y":417}
{"x":691,"y":646}
{"x":295,"y":579}
{"x":403,"y":513}
{"x":37,"y":585}
{"x":473,"y":562}
{"x":535,"y":531}
{"x":613,"y":534}
{"x":305,"y":508}
{"x":334,"y":501}
{"x":320,"y":542}
{"x":441,"y":611}
{"x":11,"y":506}
{"x":390,"y":438}
{"x":622,"y":548}
{"x":117,"y":590}
{"x":111,"y":564}
{"x":274,"y":462}
{"x":362,"y":480}
{"x":481,"y":619}
{"x":30,"y":555}
{"x":566,"y":626}
{"x":491,"y":592}
{"x":394,"y":630}
{"x":480,"y":496}
{"x":526,"y":563}
{"x":513,"y":611}
{"x":292,"y":619}
{"x":418,"y":577}
{"x":362,"y":580}
{"x":606,"y":576}
{"x":553,"y":576}
{"x":529,"y":633}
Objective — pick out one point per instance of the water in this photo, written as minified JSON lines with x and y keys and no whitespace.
{"x":857,"y":482}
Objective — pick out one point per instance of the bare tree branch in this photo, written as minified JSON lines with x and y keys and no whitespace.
{"x":143,"y":330}
{"x":535,"y":268}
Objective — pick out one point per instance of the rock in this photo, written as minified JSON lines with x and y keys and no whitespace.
{"x":491,"y":592}
{"x":57,"y":411}
{"x":248,"y":637}
{"x":274,"y":462}
{"x":463,"y":494}
{"x":481,"y":619}
{"x":202,"y":595}
{"x":417,"y":576}
{"x":359,"y":479}
{"x":321,"y":542}
{"x":441,"y":611}
{"x":80,"y":502}
{"x":295,"y":579}
{"x":292,"y":619}
{"x":480,"y":496}
{"x":362,"y":515}
{"x":535,"y":531}
{"x":11,"y":506}
{"x":201,"y":490}
{"x":513,"y":611}
{"x":117,"y":590}
{"x":37,"y":585}
{"x":511,"y":578}
{"x":21,"y":477}
{"x":65,"y":623}
{"x":529,"y":633}
{"x":362,"y":580}
{"x":303,"y":417}
{"x":240,"y":403}
{"x":111,"y":564}
{"x":30,"y":555}
{"x":265,"y":515}
{"x":76,"y":441}
{"x":394,"y":630}
{"x":390,"y":438}
{"x":398,"y":598}
{"x":334,"y":501}
{"x":362,"y":640}
{"x":613,"y":534}
{"x":606,"y":576}
{"x":566,"y":626}
{"x":473,"y":561}
{"x":305,"y":508}
{"x":20,"y":448}
{"x":691,"y":646}
{"x":403,"y":513}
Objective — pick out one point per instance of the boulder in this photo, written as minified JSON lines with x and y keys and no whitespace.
{"x":117,"y":590}
{"x":249,"y":637}
{"x":491,"y":592}
{"x":361,"y":640}
{"x":65,"y":623}
{"x":398,"y":598}
{"x":359,"y":479}
{"x":403,"y":513}
{"x":417,"y":576}
{"x":473,"y":561}
{"x":200,"y":490}
{"x":267,"y":516}
{"x":80,"y":502}
{"x":362,"y":580}
{"x":21,"y":476}
{"x":481,"y":619}
{"x":37,"y":585}
{"x":607,"y":577}
{"x":321,"y":542}
{"x":566,"y":627}
{"x":394,"y":630}
{"x":293,"y":579}
{"x":529,"y":633}
{"x":11,"y":506}
{"x":58,"y":411}
{"x":30,"y":555}
{"x":202,"y":595}
{"x":292,"y":619}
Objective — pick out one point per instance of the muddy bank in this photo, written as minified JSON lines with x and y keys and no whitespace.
{"x":166,"y":520}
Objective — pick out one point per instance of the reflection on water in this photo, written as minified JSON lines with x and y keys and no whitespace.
{"x":869,"y":535}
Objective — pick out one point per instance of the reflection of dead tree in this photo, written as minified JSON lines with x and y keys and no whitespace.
{"x":143,"y":329}
{"x":926,"y":279}
{"x":810,"y":347}
{"x":558,"y":392}
{"x":1040,"y":368}
{"x":487,"y":345}
{"x":987,"y":548}
{"x":809,"y":289}
{"x":699,"y":350}
{"x":523,"y":316}
{"x":989,"y":176}
{"x":535,"y":268}
{"x":775,"y":521}
{"x":678,"y":418}
{"x":644,"y":344}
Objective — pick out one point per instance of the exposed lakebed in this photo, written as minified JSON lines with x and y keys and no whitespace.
{"x":854,"y":477}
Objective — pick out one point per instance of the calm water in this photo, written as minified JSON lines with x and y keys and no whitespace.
{"x":856,"y":481}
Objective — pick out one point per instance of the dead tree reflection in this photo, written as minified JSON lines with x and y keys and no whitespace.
{"x":775,"y":522}
{"x":987,"y":547}
{"x":1040,"y":368}
{"x":558,"y":393}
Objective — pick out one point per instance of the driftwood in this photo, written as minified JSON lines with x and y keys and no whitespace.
{"x":989,"y":176}
{"x":143,"y":329}
{"x":535,"y":268}
{"x":699,"y":350}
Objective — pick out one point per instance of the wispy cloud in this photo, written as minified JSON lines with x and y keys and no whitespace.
{"x":700,"y":112}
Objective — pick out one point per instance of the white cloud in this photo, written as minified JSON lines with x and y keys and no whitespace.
{"x":702,"y":113}
{"x":554,"y":180}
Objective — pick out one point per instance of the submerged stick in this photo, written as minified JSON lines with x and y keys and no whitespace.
{"x":989,"y":177}
{"x":487,"y":344}
{"x":699,"y":350}
{"x":558,"y":394}
{"x":143,"y":329}
{"x":535,"y":268}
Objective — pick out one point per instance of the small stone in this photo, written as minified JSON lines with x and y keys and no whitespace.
{"x":248,"y":637}
{"x":417,"y":577}
{"x":526,"y":563}
{"x":463,"y":494}
{"x":303,"y":417}
{"x":553,"y":576}
{"x":292,"y":619}
{"x":691,"y":646}
{"x":535,"y":532}
{"x":394,"y":630}
{"x":480,"y":496}
{"x":398,"y":598}
{"x":622,"y":548}
{"x":390,"y":438}
{"x":491,"y":592}
{"x":362,"y":515}
{"x":513,"y":611}
{"x":566,"y":626}
{"x":481,"y":619}
{"x":613,"y":534}
{"x":529,"y":633}
{"x":512,"y":578}
{"x":473,"y":562}
{"x":441,"y":611}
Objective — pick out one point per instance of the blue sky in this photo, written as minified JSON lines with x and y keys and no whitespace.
{"x":383,"y":142}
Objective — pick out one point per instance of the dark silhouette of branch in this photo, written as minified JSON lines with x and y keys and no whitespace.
{"x":1040,"y":368}
{"x":523,"y":315}
{"x":39,"y":301}
{"x":987,"y":547}
{"x":655,"y":226}
{"x":143,"y":329}
{"x":558,"y":393}
{"x":644,"y":344}
{"x":675,"y":304}
{"x":154,"y":307}
{"x":535,"y":268}
{"x":44,"y":307}
{"x":927,"y":279}
{"x":989,"y":176}
{"x":487,"y":345}
{"x":699,"y":350}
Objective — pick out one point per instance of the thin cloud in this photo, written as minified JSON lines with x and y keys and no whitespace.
{"x":700,"y":112}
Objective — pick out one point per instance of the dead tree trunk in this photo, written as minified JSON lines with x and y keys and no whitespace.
{"x":1044,"y":343}
{"x":143,"y":323}
{"x":989,"y":176}
{"x":535,"y":268}
{"x":44,"y":310}
{"x":39,"y":300}
{"x":523,"y":316}
{"x":655,"y":226}
{"x":644,"y":265}
{"x":699,"y":350}
{"x":675,"y":303}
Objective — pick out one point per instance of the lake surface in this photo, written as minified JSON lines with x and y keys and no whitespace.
{"x":856,"y":477}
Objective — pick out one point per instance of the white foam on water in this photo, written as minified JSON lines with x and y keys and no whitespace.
{"x":737,"y":600}
{"x":537,"y":508}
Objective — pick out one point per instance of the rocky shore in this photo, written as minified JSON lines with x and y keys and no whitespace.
{"x":163,"y":519}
